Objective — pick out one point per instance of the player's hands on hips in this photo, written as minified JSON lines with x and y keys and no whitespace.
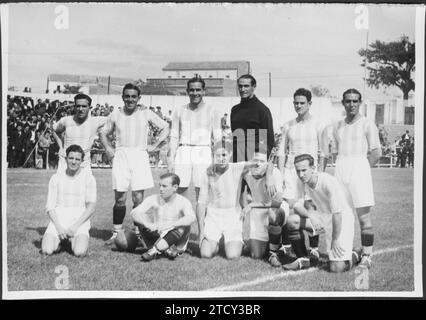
{"x":109,"y":153}
{"x":336,"y":248}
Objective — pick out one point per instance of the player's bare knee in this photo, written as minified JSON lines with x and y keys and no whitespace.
{"x":80,"y":252}
{"x":337,"y":266}
{"x":47,"y":250}
{"x":137,"y":197}
{"x":257,"y":255}
{"x":293,"y":222}
{"x":233,"y":255}
{"x":206,"y":253}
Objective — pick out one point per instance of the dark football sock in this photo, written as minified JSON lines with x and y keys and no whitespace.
{"x":274,"y":233}
{"x":118,"y":214}
{"x":367,"y":240}
{"x":313,"y":241}
{"x":284,"y":236}
{"x":297,"y":240}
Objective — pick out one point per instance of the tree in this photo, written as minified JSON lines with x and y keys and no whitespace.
{"x":390,"y":64}
{"x":320,"y":91}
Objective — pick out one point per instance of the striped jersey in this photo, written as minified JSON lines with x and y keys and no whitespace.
{"x":222,"y":191}
{"x":196,"y":126}
{"x":357,"y":138}
{"x":131,"y":131}
{"x":80,"y":134}
{"x":66,"y":191}
{"x":299,"y":137}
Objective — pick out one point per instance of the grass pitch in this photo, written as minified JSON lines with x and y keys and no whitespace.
{"x":106,"y":269}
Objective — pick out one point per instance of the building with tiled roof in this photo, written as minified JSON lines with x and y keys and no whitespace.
{"x":87,"y":84}
{"x":220,"y":77}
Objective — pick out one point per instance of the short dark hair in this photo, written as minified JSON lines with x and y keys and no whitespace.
{"x":131,"y":86}
{"x":174,"y":176}
{"x":196,"y":79}
{"x":75,"y":148}
{"x":303,"y":157}
{"x":82,"y":96}
{"x":248,"y":76}
{"x":351,"y":91}
{"x":303,"y":92}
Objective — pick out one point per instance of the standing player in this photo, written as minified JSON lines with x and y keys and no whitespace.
{"x":251,"y":122}
{"x":334,"y":215}
{"x":79,"y":129}
{"x":130,"y":168}
{"x":302,"y":135}
{"x":70,"y":204}
{"x":264,"y":224}
{"x":219,"y":211}
{"x":355,"y":136}
{"x":170,"y":221}
{"x":193,"y":126}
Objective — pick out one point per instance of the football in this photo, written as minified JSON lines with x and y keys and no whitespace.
{"x":126,"y":240}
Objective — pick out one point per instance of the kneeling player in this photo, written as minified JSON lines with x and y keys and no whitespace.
{"x":70,"y":204}
{"x":169,"y":222}
{"x":219,"y":212}
{"x":264,"y":217}
{"x":334,"y":215}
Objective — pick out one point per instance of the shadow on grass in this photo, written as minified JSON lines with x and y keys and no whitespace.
{"x":102,"y":234}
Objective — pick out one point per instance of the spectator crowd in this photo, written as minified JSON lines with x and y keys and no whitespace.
{"x":30,"y":142}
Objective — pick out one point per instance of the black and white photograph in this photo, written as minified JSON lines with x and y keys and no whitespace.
{"x":212,"y":150}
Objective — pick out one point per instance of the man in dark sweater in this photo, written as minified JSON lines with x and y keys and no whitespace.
{"x":251,"y":123}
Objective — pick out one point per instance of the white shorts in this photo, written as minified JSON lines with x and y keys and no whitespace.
{"x":226,"y":222}
{"x":355,"y":175}
{"x":130,"y":168}
{"x":66,"y":217}
{"x":62,"y":165}
{"x":191,"y":163}
{"x":256,"y":224}
{"x":346,"y":237}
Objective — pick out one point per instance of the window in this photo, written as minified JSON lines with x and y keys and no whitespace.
{"x":409,"y":115}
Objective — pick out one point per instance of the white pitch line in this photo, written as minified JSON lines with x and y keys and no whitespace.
{"x":291,"y":273}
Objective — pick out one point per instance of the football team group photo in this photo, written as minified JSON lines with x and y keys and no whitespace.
{"x":232,"y":169}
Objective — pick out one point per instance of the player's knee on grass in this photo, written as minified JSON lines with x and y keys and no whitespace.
{"x":233,"y":249}
{"x":208,"y":249}
{"x":49,"y":244}
{"x":337,"y":266}
{"x":80,"y":245}
{"x":293,"y":222}
{"x":257,"y":248}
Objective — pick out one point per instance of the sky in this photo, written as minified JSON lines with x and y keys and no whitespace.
{"x":299,"y":44}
